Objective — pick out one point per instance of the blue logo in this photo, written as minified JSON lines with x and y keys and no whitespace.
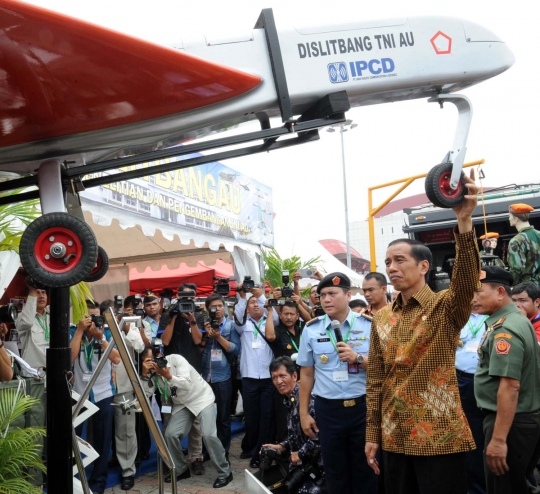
{"x":337,"y":72}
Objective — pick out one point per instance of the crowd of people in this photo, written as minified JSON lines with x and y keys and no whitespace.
{"x":427,"y":392}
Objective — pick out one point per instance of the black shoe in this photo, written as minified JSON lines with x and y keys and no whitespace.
{"x":184,"y":475}
{"x":127,"y":483}
{"x":254,"y":464}
{"x":142,"y":457}
{"x":223,"y":482}
{"x":197,"y":467}
{"x":245,"y":456}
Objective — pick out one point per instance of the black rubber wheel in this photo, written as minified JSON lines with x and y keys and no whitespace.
{"x":101,"y":268}
{"x":438,"y":188}
{"x":58,"y":250}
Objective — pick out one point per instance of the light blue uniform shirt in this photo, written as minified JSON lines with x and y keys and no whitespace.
{"x":154,"y":325}
{"x":315,"y":344}
{"x":467,"y":355}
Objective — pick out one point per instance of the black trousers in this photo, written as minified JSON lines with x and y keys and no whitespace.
{"x":259,"y":413}
{"x":439,"y":474}
{"x":280,"y":414}
{"x":342,"y":434}
{"x":523,"y":443}
{"x":222,"y":392}
{"x":476,"y":479}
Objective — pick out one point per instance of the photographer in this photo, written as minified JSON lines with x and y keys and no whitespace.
{"x":303,"y":309}
{"x":132,"y":307}
{"x":181,"y":335}
{"x":223,"y":344}
{"x":306,"y":472}
{"x":192,"y":399}
{"x":89,"y":339}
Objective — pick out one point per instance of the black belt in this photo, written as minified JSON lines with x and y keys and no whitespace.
{"x":345,"y":403}
{"x":464,"y":374}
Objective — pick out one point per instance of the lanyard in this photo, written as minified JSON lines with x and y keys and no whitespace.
{"x":44,"y":325}
{"x":293,"y":342}
{"x":258,"y":326}
{"x":331,"y":336}
{"x":165,"y":391}
{"x":475,"y":330}
{"x":89,"y":354}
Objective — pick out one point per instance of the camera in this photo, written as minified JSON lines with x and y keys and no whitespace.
{"x":301,"y":474}
{"x":274,"y":302}
{"x":138,"y":312}
{"x":214,"y":321}
{"x":160,"y":361}
{"x":182,"y":305}
{"x":286,"y":290}
{"x":248,"y":284}
{"x":98,"y":320}
{"x":222,"y":285}
{"x":157,"y":353}
{"x":268,"y":455}
{"x":118,"y":302}
{"x":8,"y":313}
{"x":318,"y":311}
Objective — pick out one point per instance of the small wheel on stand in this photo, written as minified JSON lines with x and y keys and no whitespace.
{"x":58,"y":250}
{"x":102,"y":265}
{"x":438,"y":188}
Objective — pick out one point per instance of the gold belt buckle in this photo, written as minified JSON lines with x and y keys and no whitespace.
{"x":349,"y":403}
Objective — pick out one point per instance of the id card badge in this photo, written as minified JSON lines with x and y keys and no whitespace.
{"x":339,"y":376}
{"x":354,"y":369}
{"x":256,"y":344}
{"x":166,"y":409}
{"x":471,"y":346}
{"x":216,"y":355}
{"x":86,"y":377}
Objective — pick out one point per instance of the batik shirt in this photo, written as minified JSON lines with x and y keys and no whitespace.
{"x":524,"y":256}
{"x":413,"y":403}
{"x":296,"y":439}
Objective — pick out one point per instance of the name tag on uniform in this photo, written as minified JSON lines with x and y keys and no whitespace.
{"x":256,"y":344}
{"x":322,"y":340}
{"x":86,"y":377}
{"x":339,"y":376}
{"x":216,"y":355}
{"x":166,"y":409}
{"x":471,"y":347}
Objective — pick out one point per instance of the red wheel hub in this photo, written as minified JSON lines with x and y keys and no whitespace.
{"x":58,"y":250}
{"x":444,"y":186}
{"x":99,"y":263}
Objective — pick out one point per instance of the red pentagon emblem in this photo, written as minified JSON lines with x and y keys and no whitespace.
{"x":502,"y":347}
{"x":336,"y":280}
{"x":442,"y":43}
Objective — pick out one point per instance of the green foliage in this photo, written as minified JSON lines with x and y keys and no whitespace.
{"x":274,"y":264}
{"x":78,"y":295}
{"x":20,"y":449}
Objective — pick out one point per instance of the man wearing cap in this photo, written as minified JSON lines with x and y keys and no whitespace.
{"x":152,"y":311}
{"x":414,"y":410}
{"x":507,"y":386}
{"x":524,"y":248}
{"x":333,"y":355}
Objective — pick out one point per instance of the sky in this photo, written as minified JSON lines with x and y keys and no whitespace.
{"x":391,"y":141}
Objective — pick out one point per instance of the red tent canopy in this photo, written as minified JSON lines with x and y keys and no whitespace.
{"x":201,"y":275}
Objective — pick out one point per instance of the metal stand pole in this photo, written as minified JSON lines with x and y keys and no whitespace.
{"x":59,"y":423}
{"x":347,"y":234}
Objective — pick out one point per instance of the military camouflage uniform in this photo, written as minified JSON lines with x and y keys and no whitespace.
{"x":524,"y":256}
{"x":308,"y":449}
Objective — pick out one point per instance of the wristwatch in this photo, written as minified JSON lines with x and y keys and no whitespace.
{"x":103,"y":340}
{"x":192,"y":322}
{"x":359,"y":359}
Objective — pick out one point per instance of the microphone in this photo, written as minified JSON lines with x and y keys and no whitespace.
{"x":336,"y":326}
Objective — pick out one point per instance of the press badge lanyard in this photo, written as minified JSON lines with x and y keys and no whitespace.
{"x":331,"y":336}
{"x":257,"y":329}
{"x":44,"y":325}
{"x":475,"y":330}
{"x":88,"y":354}
{"x":293,"y":342}
{"x":165,"y":391}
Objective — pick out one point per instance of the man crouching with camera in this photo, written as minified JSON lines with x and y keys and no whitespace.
{"x":306,"y":473}
{"x":192,"y":398}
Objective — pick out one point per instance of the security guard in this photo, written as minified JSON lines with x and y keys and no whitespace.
{"x":333,"y":355}
{"x":466,"y":363}
{"x":524,"y":248}
{"x":507,"y":386}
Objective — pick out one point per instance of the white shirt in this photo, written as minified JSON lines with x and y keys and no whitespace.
{"x":32,"y":333}
{"x":134,"y":343}
{"x":192,"y":391}
{"x":256,"y":355}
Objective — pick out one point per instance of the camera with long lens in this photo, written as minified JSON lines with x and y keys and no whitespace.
{"x":300,"y":475}
{"x":222,"y":286}
{"x":181,"y":305}
{"x":274,"y":302}
{"x":248,"y":284}
{"x":214,"y":321}
{"x":157,"y":353}
{"x":8,"y":313}
{"x":286,"y":290}
{"x":268,"y":455}
{"x":98,"y":320}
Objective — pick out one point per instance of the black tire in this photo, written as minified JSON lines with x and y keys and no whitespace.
{"x":438,"y":190}
{"x":101,"y":268}
{"x":61,"y":271}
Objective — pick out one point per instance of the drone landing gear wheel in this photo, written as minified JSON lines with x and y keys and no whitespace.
{"x":58,"y":250}
{"x":438,"y":187}
{"x":102,"y":265}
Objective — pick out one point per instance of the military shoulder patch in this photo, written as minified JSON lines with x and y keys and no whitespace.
{"x":503,"y":335}
{"x":502,"y":347}
{"x":311,"y":321}
{"x":366,"y":316}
